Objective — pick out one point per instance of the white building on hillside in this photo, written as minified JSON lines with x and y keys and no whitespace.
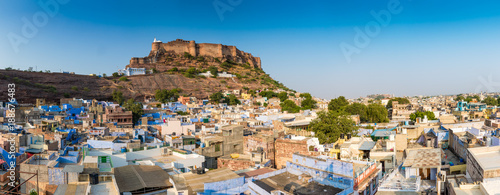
{"x":132,"y":71}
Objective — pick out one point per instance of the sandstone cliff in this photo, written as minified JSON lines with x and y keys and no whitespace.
{"x":162,"y":53}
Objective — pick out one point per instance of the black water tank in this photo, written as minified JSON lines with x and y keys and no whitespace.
{"x":200,"y":170}
{"x":348,"y":136}
{"x":342,"y":136}
{"x":94,"y":178}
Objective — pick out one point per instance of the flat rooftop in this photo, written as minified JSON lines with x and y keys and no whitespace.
{"x":197,"y":181}
{"x":76,"y":189}
{"x":291,"y":183}
{"x":487,"y":157}
{"x":104,"y":187}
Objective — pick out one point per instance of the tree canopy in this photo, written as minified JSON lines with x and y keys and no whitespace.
{"x":136,"y":109}
{"x":283,"y":96}
{"x":308,"y":102}
{"x":419,"y":114}
{"x":305,"y":95}
{"x":218,"y":97}
{"x":268,"y":94}
{"x":373,"y":113}
{"x":491,"y":101}
{"x":376,"y":113}
{"x":289,"y":106}
{"x":329,"y":125}
{"x":166,"y":95}
{"x":118,"y":97}
{"x":337,"y":103}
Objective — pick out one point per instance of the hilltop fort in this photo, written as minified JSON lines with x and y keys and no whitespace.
{"x":163,"y":53}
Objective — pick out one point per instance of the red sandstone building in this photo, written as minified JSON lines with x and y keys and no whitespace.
{"x":119,"y":116}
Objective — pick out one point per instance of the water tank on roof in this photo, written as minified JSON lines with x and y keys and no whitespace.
{"x":200,"y":170}
{"x":94,"y":178}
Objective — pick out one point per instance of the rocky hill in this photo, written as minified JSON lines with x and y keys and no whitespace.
{"x":173,"y":71}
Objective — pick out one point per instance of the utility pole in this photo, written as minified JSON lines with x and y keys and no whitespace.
{"x":37,"y":186}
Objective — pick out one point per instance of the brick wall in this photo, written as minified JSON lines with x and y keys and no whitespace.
{"x":234,"y":164}
{"x":285,"y":149}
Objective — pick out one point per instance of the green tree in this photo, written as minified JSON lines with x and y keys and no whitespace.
{"x":329,"y":125}
{"x":231,"y":99}
{"x":419,"y":114}
{"x":252,"y":92}
{"x":358,"y":109}
{"x":477,"y":98}
{"x":283,"y":96}
{"x":308,"y":103}
{"x":123,"y":79}
{"x":459,"y":98}
{"x":491,"y":101}
{"x":166,"y":95}
{"x":289,"y":106}
{"x":191,"y":72}
{"x":337,"y":104}
{"x":188,"y":56}
{"x":376,"y":113}
{"x":468,"y":99}
{"x":268,"y":94}
{"x":214,"y":71}
{"x":182,"y":113}
{"x":226,"y":65}
{"x":216,"y":97}
{"x":305,"y":95}
{"x":115,"y":74}
{"x":399,"y":99}
{"x":136,"y":109}
{"x":118,"y":96}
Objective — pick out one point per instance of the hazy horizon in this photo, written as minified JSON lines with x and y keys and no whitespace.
{"x":425,"y":48}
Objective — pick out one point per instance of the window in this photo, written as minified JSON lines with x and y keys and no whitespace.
{"x":217,"y":147}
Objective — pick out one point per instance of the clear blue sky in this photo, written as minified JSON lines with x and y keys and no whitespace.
{"x":428,"y":48}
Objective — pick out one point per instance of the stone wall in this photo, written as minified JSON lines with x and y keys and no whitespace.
{"x":179,"y":47}
{"x":234,"y":164}
{"x":285,"y":148}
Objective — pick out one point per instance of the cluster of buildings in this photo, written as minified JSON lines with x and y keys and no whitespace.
{"x":79,"y":146}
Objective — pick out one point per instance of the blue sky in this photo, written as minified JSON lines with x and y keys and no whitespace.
{"x":428,"y":48}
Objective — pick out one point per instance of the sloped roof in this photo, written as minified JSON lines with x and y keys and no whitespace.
{"x":367,"y":145}
{"x":135,"y":177}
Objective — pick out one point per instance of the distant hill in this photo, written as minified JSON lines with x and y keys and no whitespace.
{"x":172,"y":71}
